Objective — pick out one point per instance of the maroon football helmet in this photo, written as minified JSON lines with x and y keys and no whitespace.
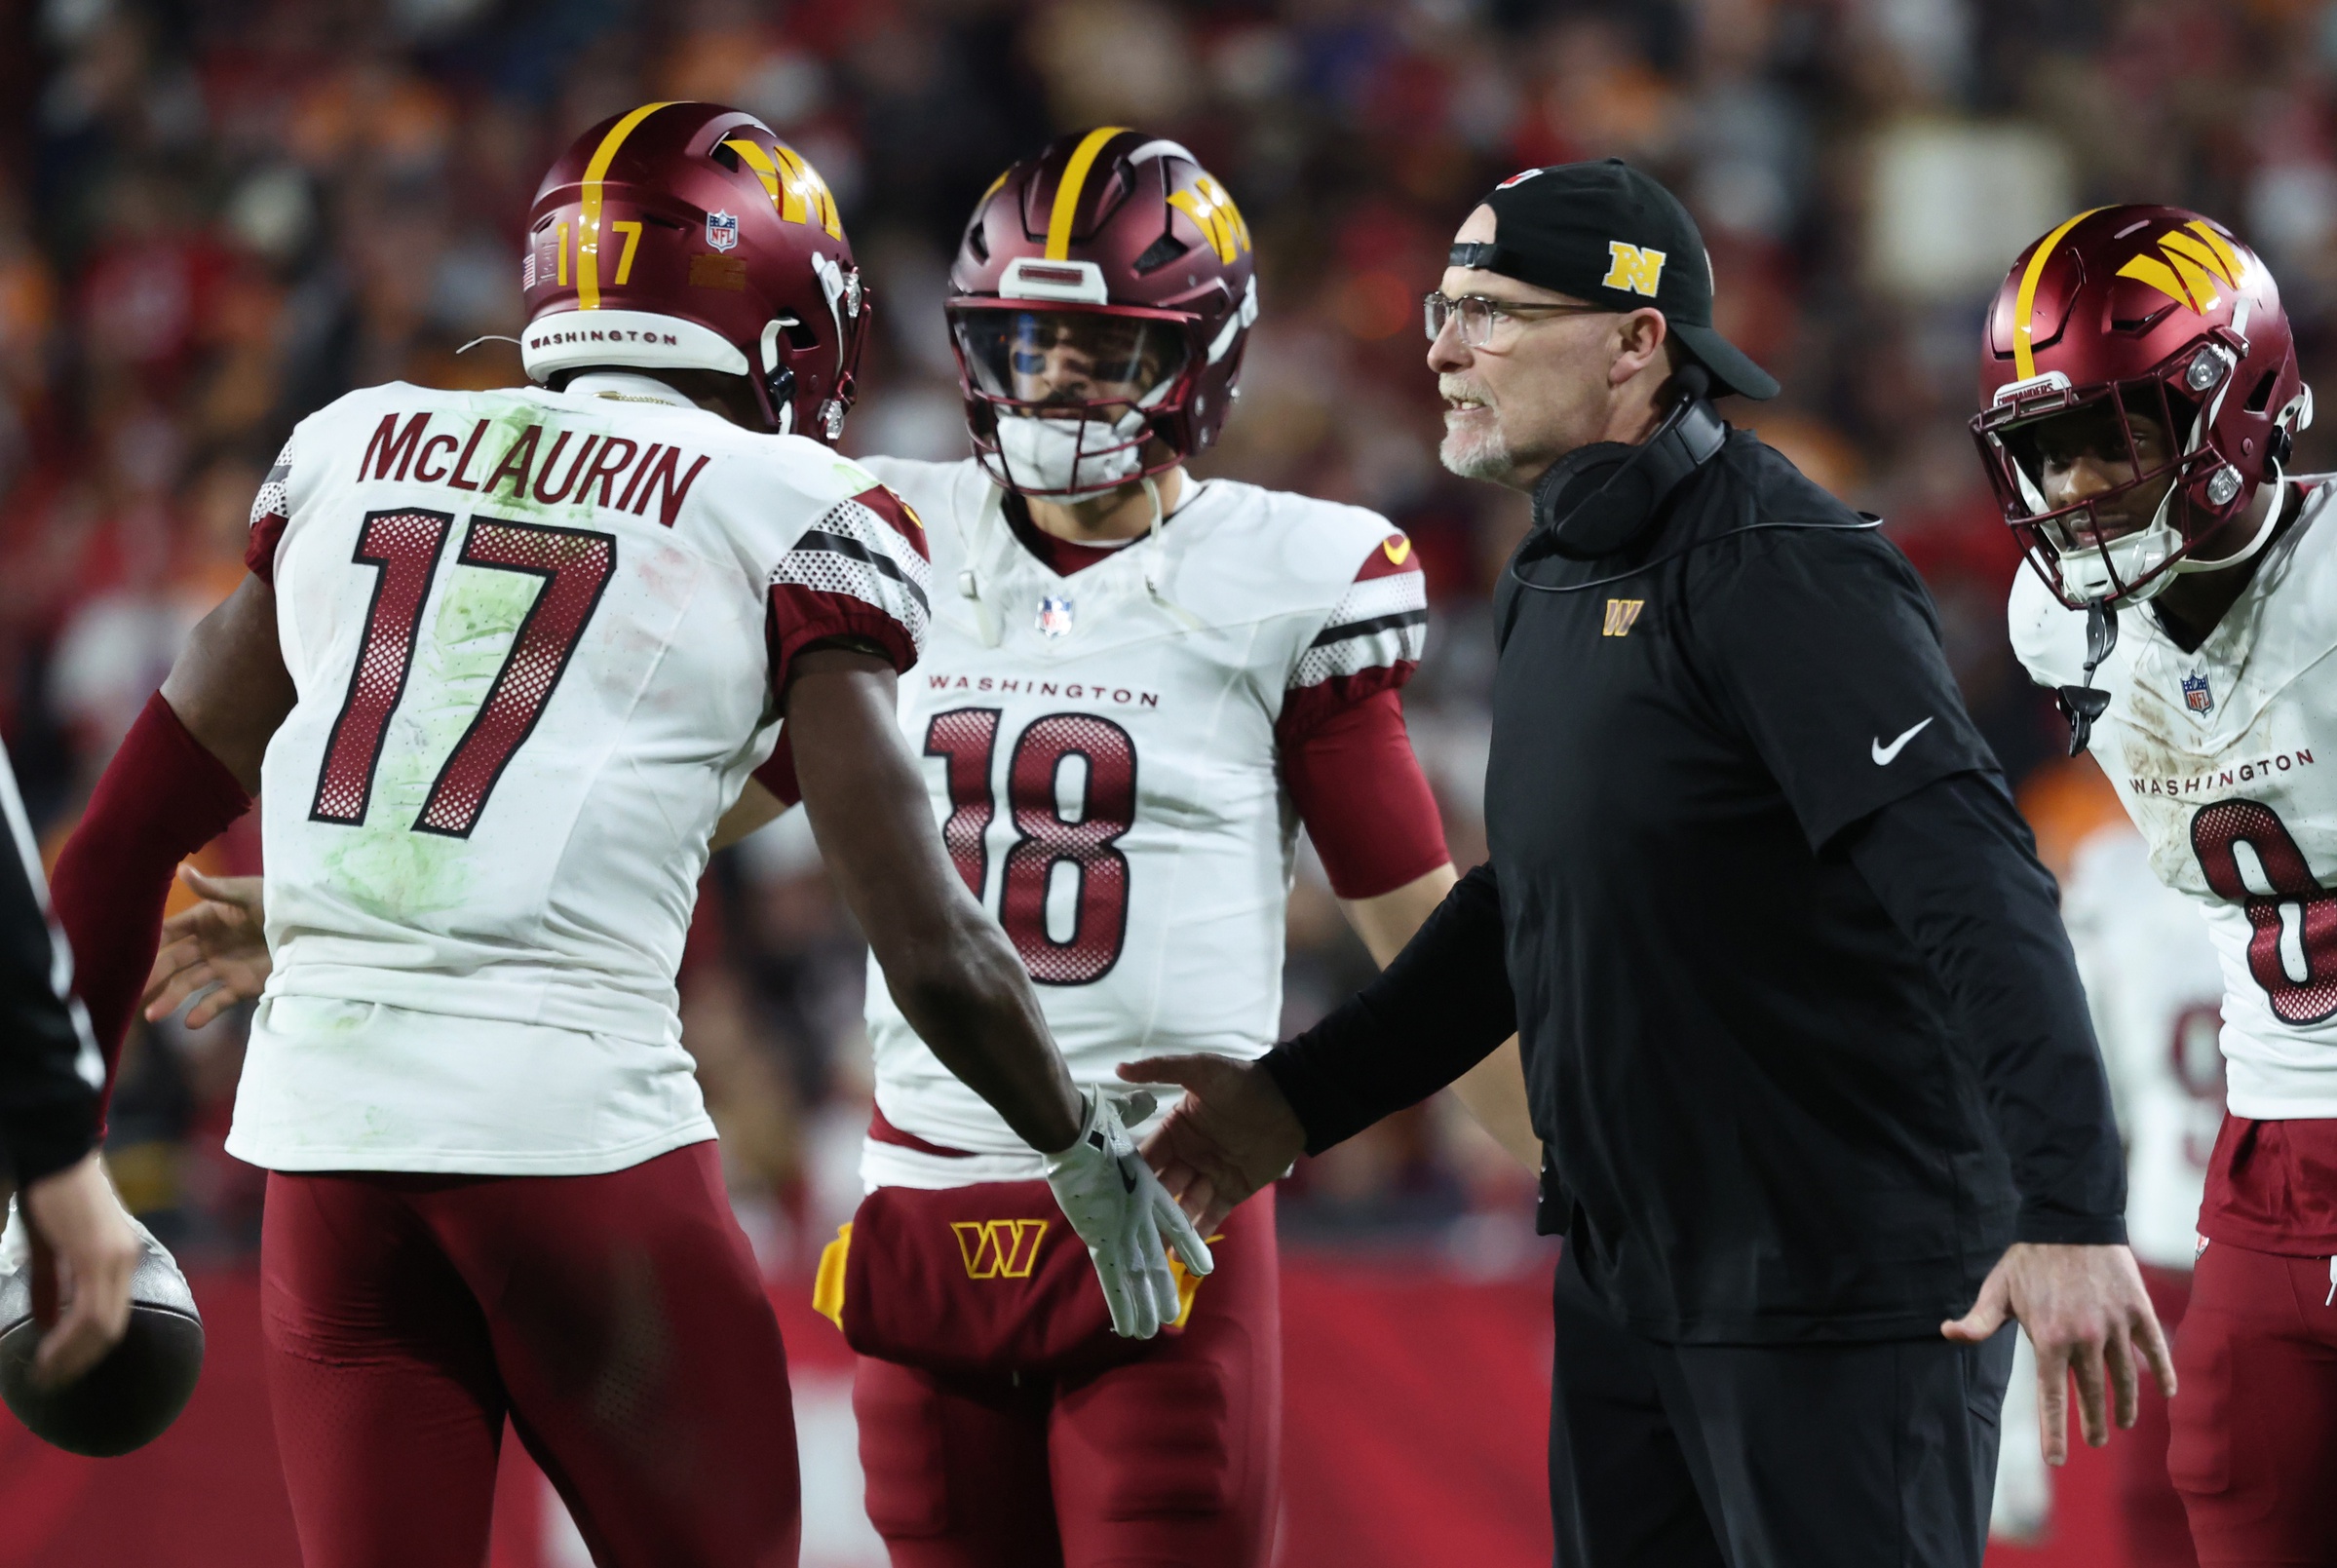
{"x":2150,"y":341}
{"x":1099,"y":305}
{"x":688,"y":236}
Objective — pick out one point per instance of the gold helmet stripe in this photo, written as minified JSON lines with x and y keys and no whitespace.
{"x":2025,"y":358}
{"x":1067,"y":195}
{"x":588,"y":239}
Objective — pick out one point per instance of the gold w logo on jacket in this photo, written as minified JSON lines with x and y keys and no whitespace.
{"x":2191,"y":261}
{"x":1621,"y":615}
{"x":999,"y":1248}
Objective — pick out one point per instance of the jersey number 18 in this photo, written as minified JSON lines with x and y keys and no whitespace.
{"x":1045,"y":835}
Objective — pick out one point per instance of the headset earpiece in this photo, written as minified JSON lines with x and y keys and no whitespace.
{"x":1598,"y":499}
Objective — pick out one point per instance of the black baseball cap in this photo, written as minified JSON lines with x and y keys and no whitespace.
{"x":1606,"y":233}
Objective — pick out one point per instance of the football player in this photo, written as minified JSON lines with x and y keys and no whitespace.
{"x":502,"y":661}
{"x":1137,"y":686}
{"x":2141,"y":398}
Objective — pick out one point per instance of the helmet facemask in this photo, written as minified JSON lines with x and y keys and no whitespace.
{"x":1063,"y":401}
{"x":2156,"y":484}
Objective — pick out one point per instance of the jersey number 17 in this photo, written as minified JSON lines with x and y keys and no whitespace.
{"x":403,"y":548}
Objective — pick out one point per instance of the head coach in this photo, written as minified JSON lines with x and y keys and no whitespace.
{"x":1802,"y":1034}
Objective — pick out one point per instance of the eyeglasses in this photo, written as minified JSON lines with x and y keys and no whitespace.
{"x":1479,"y":315}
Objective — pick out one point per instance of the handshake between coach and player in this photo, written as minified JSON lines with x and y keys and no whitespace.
{"x":215,"y":954}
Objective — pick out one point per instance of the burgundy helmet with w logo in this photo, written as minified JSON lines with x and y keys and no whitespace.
{"x":687,"y":236}
{"x":1099,"y":305}
{"x":2149,"y":343}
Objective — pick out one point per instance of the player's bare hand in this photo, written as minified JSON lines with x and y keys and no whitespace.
{"x":1233,"y":1135}
{"x":2088,"y":1316}
{"x":215,"y":951}
{"x":85,"y":1253}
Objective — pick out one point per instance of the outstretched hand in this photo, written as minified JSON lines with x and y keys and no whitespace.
{"x":215,"y":951}
{"x":2088,"y":1314}
{"x":1232,"y":1133}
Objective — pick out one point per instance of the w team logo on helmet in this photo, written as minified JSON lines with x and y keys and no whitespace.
{"x":1099,"y":306}
{"x":687,"y":236}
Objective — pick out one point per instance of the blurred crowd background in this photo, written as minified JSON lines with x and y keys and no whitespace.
{"x":216,"y":215}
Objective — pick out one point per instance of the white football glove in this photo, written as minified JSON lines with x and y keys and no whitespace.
{"x":1126,"y":1216}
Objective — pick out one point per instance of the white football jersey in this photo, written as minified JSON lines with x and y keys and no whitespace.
{"x":2155,"y":987}
{"x":533,"y":636}
{"x":2216,"y":755}
{"x":1101,"y":753}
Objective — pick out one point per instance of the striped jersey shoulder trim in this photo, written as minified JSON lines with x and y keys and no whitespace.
{"x":1380,"y":621}
{"x":857,"y":552}
{"x":894,"y":510}
{"x":271,"y":513}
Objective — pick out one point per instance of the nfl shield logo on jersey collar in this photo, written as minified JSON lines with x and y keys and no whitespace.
{"x":1055,"y":615}
{"x":2196,"y":694}
{"x":722,"y":230}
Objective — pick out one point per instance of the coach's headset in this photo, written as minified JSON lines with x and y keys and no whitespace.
{"x":1601,"y":499}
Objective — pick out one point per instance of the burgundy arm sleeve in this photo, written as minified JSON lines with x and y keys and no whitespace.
{"x":1359,"y":791}
{"x":162,"y":798}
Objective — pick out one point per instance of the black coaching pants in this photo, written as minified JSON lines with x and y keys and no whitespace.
{"x":1767,"y":1456}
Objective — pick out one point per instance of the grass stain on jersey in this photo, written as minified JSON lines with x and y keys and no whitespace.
{"x":387,"y":868}
{"x":508,"y":430}
{"x":507,"y":426}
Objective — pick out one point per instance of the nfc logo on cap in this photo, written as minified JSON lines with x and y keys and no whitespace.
{"x":1633,"y":269}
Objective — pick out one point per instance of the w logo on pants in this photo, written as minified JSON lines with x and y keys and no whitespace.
{"x":999,"y":1248}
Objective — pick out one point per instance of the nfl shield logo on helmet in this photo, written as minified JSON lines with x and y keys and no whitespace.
{"x":1054,"y":616}
{"x":721,"y":230}
{"x":2196,"y":696}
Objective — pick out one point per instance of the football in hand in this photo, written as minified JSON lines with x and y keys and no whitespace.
{"x":126,"y":1400}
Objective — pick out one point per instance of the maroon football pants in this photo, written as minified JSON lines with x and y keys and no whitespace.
{"x":1167,"y":1460}
{"x":2150,"y":1511}
{"x":2253,"y":1449}
{"x":617,"y":1321}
